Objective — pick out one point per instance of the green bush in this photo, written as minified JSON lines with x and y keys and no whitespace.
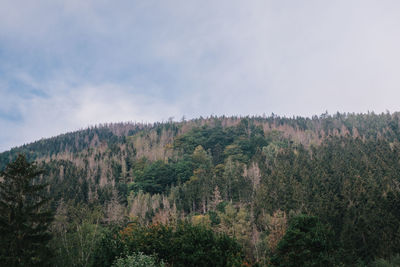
{"x":137,"y":260}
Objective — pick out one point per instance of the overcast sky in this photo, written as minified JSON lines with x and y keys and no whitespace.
{"x":65,"y":65}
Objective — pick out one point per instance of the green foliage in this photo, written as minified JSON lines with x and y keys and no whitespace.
{"x":71,"y":188}
{"x":137,"y":260}
{"x":348,"y":183}
{"x":393,"y":262}
{"x":221,"y":206}
{"x":74,"y":142}
{"x":185,"y":245}
{"x":307,"y":242}
{"x":214,"y":218}
{"x":213,"y":138}
{"x":241,"y":141}
{"x":342,"y":168}
{"x":155,"y":178}
{"x":77,"y":232}
{"x":24,"y":218}
{"x":183,"y":169}
{"x":158,"y":176}
{"x":108,"y":248}
{"x":199,"y":246}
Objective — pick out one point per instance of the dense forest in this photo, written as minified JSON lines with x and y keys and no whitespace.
{"x":224,"y":191}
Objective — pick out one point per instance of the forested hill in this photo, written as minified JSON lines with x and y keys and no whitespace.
{"x":300,"y":130}
{"x":248,"y":177}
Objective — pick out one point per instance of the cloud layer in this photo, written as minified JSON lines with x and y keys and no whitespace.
{"x":65,"y":65}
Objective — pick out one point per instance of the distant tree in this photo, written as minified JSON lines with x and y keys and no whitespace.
{"x":307,"y":242}
{"x":24,"y":217}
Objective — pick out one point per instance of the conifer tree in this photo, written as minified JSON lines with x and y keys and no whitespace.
{"x":24,"y":219}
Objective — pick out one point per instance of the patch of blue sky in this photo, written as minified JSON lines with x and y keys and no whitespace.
{"x":13,"y":116}
{"x":23,"y":90}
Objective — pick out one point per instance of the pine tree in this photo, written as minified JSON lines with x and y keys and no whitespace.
{"x":307,"y":242}
{"x":24,"y":219}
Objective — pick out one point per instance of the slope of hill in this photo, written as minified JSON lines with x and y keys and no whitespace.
{"x":244,"y":176}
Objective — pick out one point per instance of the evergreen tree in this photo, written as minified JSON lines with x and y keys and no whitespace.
{"x":24,"y":219}
{"x":307,"y":242}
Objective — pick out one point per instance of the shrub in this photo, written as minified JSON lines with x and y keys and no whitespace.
{"x":137,"y":260}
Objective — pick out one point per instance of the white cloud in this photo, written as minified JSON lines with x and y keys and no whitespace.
{"x":66,"y":108}
{"x":113,"y":103}
{"x":102,"y":61}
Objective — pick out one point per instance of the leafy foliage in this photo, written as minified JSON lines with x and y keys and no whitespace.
{"x":77,"y":230}
{"x":137,"y":260}
{"x":185,"y":245}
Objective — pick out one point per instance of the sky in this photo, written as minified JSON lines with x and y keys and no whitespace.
{"x":69,"y":64}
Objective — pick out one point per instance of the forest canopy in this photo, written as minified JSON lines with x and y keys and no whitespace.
{"x":250,"y":190}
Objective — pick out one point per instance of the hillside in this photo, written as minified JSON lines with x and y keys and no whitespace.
{"x":243,"y":176}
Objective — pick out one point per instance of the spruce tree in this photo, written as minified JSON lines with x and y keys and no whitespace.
{"x":24,"y":217}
